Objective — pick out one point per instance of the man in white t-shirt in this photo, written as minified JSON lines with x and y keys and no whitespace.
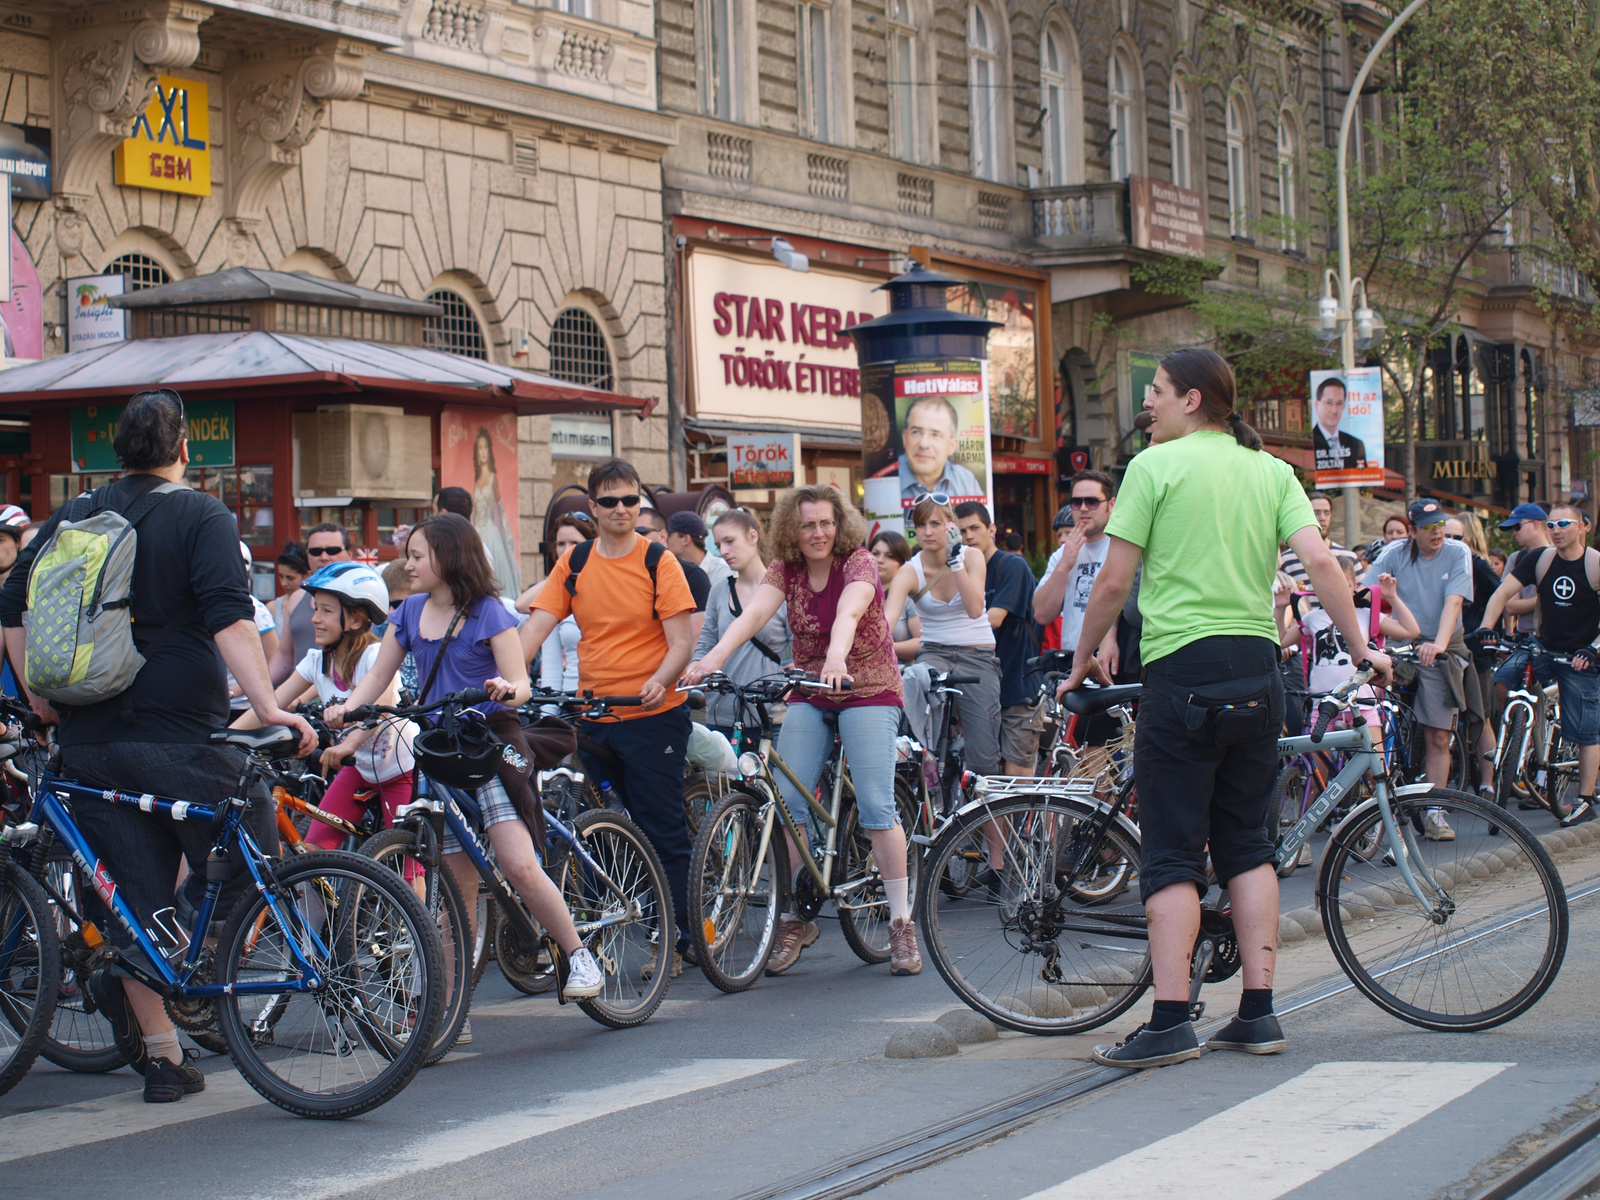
{"x":1065,"y":589}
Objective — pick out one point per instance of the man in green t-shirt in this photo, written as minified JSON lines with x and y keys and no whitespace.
{"x":1204,"y":509}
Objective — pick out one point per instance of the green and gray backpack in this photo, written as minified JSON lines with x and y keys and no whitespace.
{"x":79,"y":627}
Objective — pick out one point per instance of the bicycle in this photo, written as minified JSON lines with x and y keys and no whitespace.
{"x":739,"y":871}
{"x":1532,"y":753}
{"x":1426,"y":930}
{"x":326,"y":978}
{"x":613,"y":883}
{"x":934,"y":804}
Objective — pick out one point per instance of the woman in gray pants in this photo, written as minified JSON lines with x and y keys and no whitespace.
{"x":943,"y":582}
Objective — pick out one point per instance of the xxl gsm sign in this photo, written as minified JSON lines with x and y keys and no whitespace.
{"x":170,"y":149}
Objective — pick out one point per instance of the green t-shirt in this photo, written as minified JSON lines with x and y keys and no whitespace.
{"x":1209,"y":515}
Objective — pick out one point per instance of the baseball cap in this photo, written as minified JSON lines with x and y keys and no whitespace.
{"x":1424,"y":511}
{"x":686,"y":522}
{"x":1524,"y":512}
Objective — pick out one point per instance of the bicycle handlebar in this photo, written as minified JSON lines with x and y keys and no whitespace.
{"x":1338,"y":700}
{"x":465,"y":698}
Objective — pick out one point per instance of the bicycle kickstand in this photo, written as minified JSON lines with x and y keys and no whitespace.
{"x":1204,"y":951}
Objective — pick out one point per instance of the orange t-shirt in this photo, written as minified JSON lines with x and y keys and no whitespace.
{"x":622,"y":644}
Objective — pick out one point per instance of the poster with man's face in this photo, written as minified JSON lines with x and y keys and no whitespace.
{"x":925,"y":430}
{"x":1347,"y":427}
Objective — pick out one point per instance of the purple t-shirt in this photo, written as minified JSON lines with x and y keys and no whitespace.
{"x":469,"y":661}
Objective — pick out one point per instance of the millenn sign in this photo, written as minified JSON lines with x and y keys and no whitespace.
{"x":170,"y":149}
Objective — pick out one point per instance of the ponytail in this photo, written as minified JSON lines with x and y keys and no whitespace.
{"x":1207,"y":372}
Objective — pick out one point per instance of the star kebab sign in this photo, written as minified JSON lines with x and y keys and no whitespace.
{"x":170,"y":149}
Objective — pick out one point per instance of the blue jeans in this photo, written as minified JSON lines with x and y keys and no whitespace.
{"x":1580,"y":699}
{"x":868,"y":733}
{"x":1510,"y":671}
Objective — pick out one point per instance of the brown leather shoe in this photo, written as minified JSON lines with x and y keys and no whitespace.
{"x":793,"y":937}
{"x":903,"y":956}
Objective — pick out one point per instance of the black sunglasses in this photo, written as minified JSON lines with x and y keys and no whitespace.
{"x":1086,"y":502}
{"x":319,"y":551}
{"x":631,"y":500}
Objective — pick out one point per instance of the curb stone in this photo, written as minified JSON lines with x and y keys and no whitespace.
{"x":967,"y":1027}
{"x":921,"y":1039}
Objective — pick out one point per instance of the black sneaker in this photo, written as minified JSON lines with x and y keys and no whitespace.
{"x":112,"y":1001}
{"x":1146,"y":1048}
{"x":165,"y":1082}
{"x":1262,"y":1035}
{"x":1582,"y":812}
{"x":989,"y":880}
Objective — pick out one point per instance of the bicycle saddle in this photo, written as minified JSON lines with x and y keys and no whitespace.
{"x":274,"y":739}
{"x":1086,"y":700}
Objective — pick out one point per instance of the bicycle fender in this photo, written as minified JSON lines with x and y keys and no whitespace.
{"x":1087,"y":801}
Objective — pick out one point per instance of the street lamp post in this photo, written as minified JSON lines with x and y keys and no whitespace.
{"x":1348,"y":316}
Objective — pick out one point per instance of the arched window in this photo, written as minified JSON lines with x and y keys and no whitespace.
{"x":983,"y":95}
{"x":456,"y":329}
{"x":141,"y":271}
{"x":578,"y":351}
{"x":1121,"y":113}
{"x":718,"y":76}
{"x":1058,"y":81}
{"x":1238,"y":169}
{"x":1182,"y":123}
{"x":903,"y":131}
{"x":1288,"y":180}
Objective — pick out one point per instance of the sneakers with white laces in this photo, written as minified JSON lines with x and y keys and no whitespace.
{"x":1435,"y":828}
{"x":583,"y":978}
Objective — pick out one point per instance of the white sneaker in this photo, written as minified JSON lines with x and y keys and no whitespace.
{"x":1435,"y":828}
{"x":465,"y":1036}
{"x":583,"y":979}
{"x":1305,"y":855}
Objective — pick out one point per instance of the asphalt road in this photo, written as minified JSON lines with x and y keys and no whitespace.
{"x":720,"y":1095}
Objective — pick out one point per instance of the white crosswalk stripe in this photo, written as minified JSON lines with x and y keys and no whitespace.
{"x":1275,"y":1142}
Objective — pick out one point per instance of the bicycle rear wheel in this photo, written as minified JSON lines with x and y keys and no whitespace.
{"x":396,"y":849}
{"x":1495,"y":934}
{"x":1030,"y":955}
{"x":30,"y":972}
{"x":735,"y":892}
{"x":630,"y":922}
{"x":357,"y":1041}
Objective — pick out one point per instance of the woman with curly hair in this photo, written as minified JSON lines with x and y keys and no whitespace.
{"x":822,"y":570}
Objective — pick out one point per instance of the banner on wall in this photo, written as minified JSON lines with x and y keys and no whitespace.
{"x":91,"y":321}
{"x":1347,"y":427}
{"x":94,"y":430}
{"x":24,"y":309}
{"x":478,"y":451}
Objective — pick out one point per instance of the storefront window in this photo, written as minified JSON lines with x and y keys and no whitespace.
{"x":1013,"y":375}
{"x":247,"y":491}
{"x":65,"y":487}
{"x":391,"y":518}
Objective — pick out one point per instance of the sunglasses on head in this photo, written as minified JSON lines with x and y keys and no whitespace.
{"x":938,"y":498}
{"x":1561,"y":524}
{"x":631,"y":500}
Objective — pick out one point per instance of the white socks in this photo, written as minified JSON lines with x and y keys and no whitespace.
{"x":899,"y":893}
{"x":164,"y":1045}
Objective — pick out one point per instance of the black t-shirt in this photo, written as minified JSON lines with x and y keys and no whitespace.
{"x":1569,"y":609}
{"x":188,"y":566}
{"x":1008,"y":584}
{"x":699,"y":584}
{"x":1484,"y":583}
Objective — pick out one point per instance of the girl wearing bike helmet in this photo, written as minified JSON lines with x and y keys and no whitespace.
{"x":463,"y":637}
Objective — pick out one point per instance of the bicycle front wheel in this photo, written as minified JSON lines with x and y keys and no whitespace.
{"x":356,"y":1042}
{"x":735,"y":892}
{"x":623,"y":911}
{"x":30,"y":972}
{"x":1513,"y":752}
{"x":79,"y":1040}
{"x":1045,"y":949}
{"x":1492,"y":936}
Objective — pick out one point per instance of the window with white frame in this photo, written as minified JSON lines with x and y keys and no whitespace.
{"x":1288,"y":180}
{"x":811,"y":28}
{"x":1121,"y":112}
{"x":717,"y":74}
{"x":902,"y":80}
{"x":576,"y":8}
{"x":1238,"y":170}
{"x":1057,"y":79}
{"x":983,"y":92}
{"x":1182,"y":123}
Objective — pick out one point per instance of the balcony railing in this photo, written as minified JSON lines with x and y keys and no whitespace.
{"x":1530,"y":268}
{"x":1086,"y":215}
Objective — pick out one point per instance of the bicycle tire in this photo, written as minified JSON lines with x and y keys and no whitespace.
{"x":78,"y":1040}
{"x":622,"y":851}
{"x":734,"y":899}
{"x":1561,"y":781}
{"x":859,"y":897}
{"x":1408,"y":963}
{"x":488,"y":920}
{"x":1514,"y":739}
{"x":977,"y":944}
{"x":30,"y":972}
{"x":394,"y":848}
{"x":700,"y":795}
{"x":380,"y":942}
{"x":526,"y":968}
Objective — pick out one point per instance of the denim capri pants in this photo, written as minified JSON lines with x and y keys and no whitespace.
{"x":868,"y":732}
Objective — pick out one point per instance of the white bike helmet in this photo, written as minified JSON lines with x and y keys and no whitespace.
{"x":12,"y":519}
{"x":356,"y":584}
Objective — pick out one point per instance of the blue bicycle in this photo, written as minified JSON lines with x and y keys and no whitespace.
{"x":327,"y":976}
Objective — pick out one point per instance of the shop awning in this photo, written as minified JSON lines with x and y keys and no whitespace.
{"x":244,"y":363}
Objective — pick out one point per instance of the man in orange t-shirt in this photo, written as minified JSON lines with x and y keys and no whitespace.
{"x":636,"y":641}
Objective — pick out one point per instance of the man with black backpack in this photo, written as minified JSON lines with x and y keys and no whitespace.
{"x":189,"y":600}
{"x":633,"y":610}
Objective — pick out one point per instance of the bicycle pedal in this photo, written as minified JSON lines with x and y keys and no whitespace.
{"x":1197,"y":1010}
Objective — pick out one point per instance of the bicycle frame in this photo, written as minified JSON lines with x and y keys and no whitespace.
{"x":821,"y":876}
{"x":50,"y":806}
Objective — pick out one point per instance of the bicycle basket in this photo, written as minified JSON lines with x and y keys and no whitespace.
{"x":466,"y":757}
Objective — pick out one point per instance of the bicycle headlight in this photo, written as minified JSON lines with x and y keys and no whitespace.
{"x":749,"y":764}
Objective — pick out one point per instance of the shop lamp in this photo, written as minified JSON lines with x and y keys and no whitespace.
{"x":789,"y":256}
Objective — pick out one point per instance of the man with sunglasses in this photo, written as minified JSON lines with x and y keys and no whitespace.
{"x":634,"y":621}
{"x":325,"y":543}
{"x":1070,"y":574}
{"x":932,"y":437}
{"x":1569,"y":624}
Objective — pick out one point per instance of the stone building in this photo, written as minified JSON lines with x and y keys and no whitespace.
{"x":497,"y":158}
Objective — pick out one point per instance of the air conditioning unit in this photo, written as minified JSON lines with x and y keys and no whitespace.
{"x":366,"y":451}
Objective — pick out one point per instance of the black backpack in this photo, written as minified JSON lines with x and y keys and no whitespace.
{"x":653,"y":553}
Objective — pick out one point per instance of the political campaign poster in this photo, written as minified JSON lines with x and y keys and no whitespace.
{"x":1347,"y":427}
{"x":925,"y":424}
